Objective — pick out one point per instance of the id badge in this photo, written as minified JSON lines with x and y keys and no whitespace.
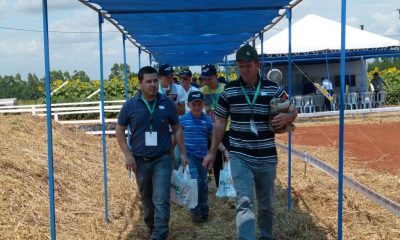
{"x":151,"y":138}
{"x":253,"y":127}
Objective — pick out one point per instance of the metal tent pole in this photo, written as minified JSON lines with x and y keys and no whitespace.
{"x":226,"y":68}
{"x":139,"y":54}
{"x":262,"y":53}
{"x":289,"y":17}
{"x":341,"y":119}
{"x":103,"y":128}
{"x":126,"y":83}
{"x":48,"y":119}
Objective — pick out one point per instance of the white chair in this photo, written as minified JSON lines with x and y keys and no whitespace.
{"x":366,"y":100}
{"x":318,"y":102}
{"x":381,"y":99}
{"x":298,"y":103}
{"x":335,"y":102}
{"x":351,"y":100}
{"x":307,"y":103}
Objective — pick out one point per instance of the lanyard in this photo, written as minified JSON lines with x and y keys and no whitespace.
{"x":151,"y":110}
{"x":218,"y":92}
{"x":254,"y":97}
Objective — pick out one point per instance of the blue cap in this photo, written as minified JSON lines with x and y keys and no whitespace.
{"x":186,"y":72}
{"x":208,"y":70}
{"x":195,"y":95}
{"x":165,"y":70}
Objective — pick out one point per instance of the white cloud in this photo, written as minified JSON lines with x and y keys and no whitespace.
{"x":34,"y":6}
{"x":389,"y":23}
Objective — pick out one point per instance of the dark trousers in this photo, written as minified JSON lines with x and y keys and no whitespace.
{"x":218,"y":163}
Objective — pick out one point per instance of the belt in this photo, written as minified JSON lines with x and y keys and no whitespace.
{"x":149,"y":158}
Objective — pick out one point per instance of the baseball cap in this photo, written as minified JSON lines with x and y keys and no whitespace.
{"x":195,"y":95}
{"x":165,"y":70}
{"x":186,"y":72}
{"x":246,"y":53}
{"x":208,"y":70}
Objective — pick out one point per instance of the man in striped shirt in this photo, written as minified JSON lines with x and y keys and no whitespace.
{"x":252,"y":143}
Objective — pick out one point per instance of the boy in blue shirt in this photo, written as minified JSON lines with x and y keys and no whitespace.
{"x":197,"y":129}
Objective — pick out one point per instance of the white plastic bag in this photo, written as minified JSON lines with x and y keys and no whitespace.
{"x":226,"y":188}
{"x":183,"y":188}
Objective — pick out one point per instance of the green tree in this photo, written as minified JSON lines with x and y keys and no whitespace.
{"x":81,"y":75}
{"x":384,"y":63}
{"x":67,"y":76}
{"x":117,"y":71}
{"x":56,"y":75}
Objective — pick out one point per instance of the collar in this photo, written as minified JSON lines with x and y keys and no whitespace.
{"x":244,"y":84}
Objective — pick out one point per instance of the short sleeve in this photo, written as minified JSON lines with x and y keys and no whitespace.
{"x":181,"y":93}
{"x":222,"y":109}
{"x":123,"y":116}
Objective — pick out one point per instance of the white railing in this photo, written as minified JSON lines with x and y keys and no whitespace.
{"x":60,"y":109}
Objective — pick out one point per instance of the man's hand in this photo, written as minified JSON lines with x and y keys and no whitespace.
{"x":130,"y":163}
{"x":280,"y":120}
{"x":184,"y":160}
{"x":208,"y":161}
{"x":225,"y":155}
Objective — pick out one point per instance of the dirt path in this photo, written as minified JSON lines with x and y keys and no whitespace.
{"x":375,"y":145}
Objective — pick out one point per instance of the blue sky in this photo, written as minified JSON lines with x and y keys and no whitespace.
{"x":22,"y":51}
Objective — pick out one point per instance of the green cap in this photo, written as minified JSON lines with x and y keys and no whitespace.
{"x":246,"y":53}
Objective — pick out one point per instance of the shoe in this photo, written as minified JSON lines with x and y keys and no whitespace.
{"x":204,"y":219}
{"x":197,"y":218}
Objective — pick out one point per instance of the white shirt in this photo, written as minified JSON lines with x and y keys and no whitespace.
{"x":174,"y":89}
{"x":191,"y":89}
{"x":326,"y":83}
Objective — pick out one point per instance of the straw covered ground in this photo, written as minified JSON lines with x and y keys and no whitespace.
{"x":24,"y":206}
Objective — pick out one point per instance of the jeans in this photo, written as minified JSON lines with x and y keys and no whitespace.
{"x":154,"y":181}
{"x":245,"y":175}
{"x":197,"y":171}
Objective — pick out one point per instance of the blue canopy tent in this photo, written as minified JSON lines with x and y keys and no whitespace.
{"x":184,"y":33}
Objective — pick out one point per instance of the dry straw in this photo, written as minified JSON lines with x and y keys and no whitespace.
{"x":79,"y":198}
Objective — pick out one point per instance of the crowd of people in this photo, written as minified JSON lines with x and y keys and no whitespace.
{"x":203,"y":126}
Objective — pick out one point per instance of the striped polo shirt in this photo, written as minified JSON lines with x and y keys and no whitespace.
{"x":242,"y":140}
{"x":196,"y":132}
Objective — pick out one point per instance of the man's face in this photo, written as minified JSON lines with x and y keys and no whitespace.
{"x":248,"y":70}
{"x":185,"y":81}
{"x":167,"y":79}
{"x":149,"y":84}
{"x":196,"y":107}
{"x":210,"y":81}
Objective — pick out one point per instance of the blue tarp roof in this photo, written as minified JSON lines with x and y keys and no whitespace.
{"x":194,"y":32}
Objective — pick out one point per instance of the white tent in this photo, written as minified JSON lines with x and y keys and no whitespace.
{"x":315,"y":33}
{"x":315,"y":39}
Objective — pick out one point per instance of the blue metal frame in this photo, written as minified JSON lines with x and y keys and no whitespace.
{"x":139,"y":54}
{"x":150,"y":60}
{"x":341,"y":119}
{"x":48,"y":119}
{"x":226,"y":68}
{"x":289,"y":17}
{"x":103,"y":128}
{"x":126,"y":83}
{"x":327,"y":68}
{"x":262,"y":55}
